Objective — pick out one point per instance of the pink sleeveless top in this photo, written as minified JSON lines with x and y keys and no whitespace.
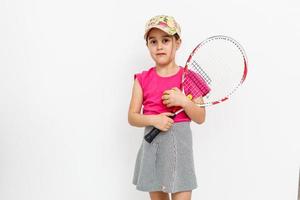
{"x":153,"y":87}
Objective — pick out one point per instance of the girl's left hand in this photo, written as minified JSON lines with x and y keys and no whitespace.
{"x":174,"y":97}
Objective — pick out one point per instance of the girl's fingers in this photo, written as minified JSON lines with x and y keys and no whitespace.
{"x":167,"y":126}
{"x":165,"y":97}
{"x":167,"y":102}
{"x":168,"y":92}
{"x":171,"y":121}
{"x":168,"y":113}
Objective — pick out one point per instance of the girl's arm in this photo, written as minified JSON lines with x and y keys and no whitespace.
{"x":175,"y":97}
{"x":135,"y":118}
{"x":196,"y":113}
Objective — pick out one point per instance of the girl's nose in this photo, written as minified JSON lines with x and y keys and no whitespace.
{"x":159,"y":45}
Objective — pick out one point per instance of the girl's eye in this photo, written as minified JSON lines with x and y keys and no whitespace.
{"x":152,"y":42}
{"x":165,"y":40}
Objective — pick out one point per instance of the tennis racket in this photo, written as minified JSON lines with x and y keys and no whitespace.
{"x":214,"y":70}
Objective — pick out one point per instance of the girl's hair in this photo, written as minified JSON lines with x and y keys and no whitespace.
{"x":176,"y":36}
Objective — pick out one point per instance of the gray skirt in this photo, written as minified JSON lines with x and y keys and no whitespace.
{"x":167,"y":163}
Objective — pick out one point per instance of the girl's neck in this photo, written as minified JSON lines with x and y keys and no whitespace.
{"x":167,"y":70}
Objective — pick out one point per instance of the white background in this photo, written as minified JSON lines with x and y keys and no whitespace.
{"x":66,"y":72}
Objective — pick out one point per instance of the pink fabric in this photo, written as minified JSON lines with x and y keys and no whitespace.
{"x":153,"y":87}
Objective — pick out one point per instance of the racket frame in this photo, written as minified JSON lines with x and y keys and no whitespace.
{"x":149,"y":137}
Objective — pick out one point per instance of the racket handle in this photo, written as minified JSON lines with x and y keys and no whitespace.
{"x":151,"y":135}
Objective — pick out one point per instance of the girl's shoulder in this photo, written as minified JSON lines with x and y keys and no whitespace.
{"x":144,"y":74}
{"x":148,"y":71}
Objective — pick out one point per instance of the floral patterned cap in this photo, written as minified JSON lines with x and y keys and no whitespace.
{"x":164,"y":23}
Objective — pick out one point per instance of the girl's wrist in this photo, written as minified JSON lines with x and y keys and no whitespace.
{"x":151,"y":119}
{"x":186,"y":101}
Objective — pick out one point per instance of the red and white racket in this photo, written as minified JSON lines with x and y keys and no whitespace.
{"x":215,"y":69}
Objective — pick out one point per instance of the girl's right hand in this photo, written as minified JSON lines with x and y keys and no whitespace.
{"x":162,"y":121}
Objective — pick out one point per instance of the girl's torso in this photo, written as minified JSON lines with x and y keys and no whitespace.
{"x":153,"y":86}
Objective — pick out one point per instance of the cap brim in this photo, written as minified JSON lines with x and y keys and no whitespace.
{"x":155,"y":26}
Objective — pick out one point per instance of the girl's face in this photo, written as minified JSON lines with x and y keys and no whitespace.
{"x":162,"y":47}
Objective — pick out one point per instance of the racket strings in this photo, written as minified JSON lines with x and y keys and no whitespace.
{"x":200,"y":71}
{"x":221,"y":65}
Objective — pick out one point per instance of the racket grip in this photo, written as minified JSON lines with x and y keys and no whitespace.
{"x":149,"y":137}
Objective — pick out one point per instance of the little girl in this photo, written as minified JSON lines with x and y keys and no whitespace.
{"x":166,"y":165}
